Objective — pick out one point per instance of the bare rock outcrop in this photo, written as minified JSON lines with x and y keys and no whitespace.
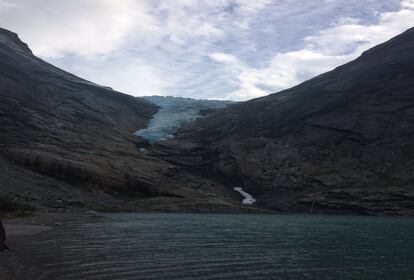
{"x":349,"y":132}
{"x":60,"y":133}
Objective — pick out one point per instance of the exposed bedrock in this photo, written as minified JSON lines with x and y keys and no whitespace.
{"x":349,"y":132}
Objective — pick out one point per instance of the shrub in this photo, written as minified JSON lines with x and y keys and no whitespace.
{"x":9,"y":205}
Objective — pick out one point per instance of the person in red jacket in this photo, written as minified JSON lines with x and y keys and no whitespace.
{"x":3,"y":245}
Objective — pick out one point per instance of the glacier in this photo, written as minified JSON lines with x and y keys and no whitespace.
{"x":174,"y":113}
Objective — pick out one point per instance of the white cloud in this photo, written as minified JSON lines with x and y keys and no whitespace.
{"x":226,"y":58}
{"x":322,"y":52}
{"x":248,"y":6}
{"x":55,"y":28}
{"x":123,"y":76}
{"x":236,"y":49}
{"x":283,"y":71}
{"x":87,"y":28}
{"x":355,"y":38}
{"x":205,"y":19}
{"x":407,"y":4}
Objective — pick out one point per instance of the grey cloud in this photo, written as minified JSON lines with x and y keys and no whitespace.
{"x":173,"y":47}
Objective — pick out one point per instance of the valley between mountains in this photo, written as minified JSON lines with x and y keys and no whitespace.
{"x":341,"y":143}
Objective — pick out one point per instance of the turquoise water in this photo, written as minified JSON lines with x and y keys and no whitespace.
{"x":194,"y":246}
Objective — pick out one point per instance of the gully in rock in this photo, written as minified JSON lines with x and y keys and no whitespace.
{"x":3,"y":245}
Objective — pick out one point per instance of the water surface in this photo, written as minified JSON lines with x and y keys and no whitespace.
{"x":237,"y":247}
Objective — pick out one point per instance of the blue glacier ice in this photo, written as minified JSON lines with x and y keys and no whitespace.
{"x":175,"y":112}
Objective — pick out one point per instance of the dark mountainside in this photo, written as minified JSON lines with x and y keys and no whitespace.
{"x":342,"y":142}
{"x":66,"y":143}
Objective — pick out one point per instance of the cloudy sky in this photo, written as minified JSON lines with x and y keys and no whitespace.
{"x":221,"y":49}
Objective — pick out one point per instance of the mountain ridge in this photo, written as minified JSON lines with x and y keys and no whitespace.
{"x":339,"y":142}
{"x":68,"y":144}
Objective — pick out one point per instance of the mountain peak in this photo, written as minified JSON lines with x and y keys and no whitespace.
{"x":403,"y":41}
{"x":11,"y":40}
{"x":346,"y":135}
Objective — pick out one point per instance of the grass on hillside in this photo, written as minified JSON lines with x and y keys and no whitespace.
{"x":14,"y":208}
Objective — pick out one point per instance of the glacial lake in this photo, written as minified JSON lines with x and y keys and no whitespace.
{"x":209,"y":246}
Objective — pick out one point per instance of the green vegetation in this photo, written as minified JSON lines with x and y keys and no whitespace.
{"x":14,"y":208}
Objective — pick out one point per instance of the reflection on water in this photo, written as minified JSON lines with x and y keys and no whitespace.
{"x":186,"y":246}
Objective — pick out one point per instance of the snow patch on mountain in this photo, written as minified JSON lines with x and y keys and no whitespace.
{"x":248,"y":198}
{"x":174,"y":113}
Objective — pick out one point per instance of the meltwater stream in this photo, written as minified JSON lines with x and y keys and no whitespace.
{"x":190,"y":246}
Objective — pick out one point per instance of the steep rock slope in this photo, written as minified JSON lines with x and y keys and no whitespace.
{"x":343,"y":141}
{"x":60,"y":133}
{"x":61,"y":125}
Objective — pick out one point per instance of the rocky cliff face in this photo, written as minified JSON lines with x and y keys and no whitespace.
{"x":341,"y":142}
{"x":62,"y":136}
{"x":60,"y":125}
